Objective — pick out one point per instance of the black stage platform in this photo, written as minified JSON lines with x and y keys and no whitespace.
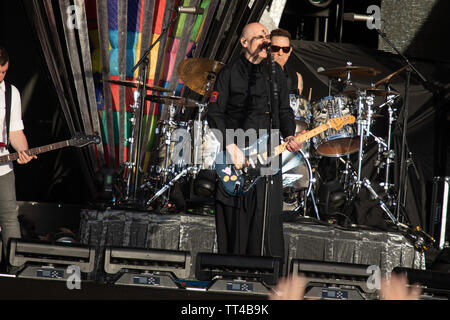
{"x":305,"y":238}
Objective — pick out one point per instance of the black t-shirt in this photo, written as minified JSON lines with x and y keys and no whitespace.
{"x":241,"y":95}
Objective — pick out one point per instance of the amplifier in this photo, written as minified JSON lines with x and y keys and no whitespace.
{"x":439,"y":222}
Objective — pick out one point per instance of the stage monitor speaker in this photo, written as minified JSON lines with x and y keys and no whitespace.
{"x":233,"y":273}
{"x":335,"y":281}
{"x":440,"y":224}
{"x":434,"y":285}
{"x":49,"y":260}
{"x":148,"y":267}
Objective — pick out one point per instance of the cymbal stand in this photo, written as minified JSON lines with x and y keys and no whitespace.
{"x":136,"y":152}
{"x":389,"y":154}
{"x":200,"y":124}
{"x":363,"y":130}
{"x":198,"y":138}
{"x":130,"y":165}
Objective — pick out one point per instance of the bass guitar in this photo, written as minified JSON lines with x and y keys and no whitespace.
{"x":78,"y":140}
{"x":240,"y":181}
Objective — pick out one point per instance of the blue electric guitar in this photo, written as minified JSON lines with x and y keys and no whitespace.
{"x":240,"y":181}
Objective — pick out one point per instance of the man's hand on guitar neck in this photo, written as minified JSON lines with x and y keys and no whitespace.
{"x":292,"y":144}
{"x":237,"y":156}
{"x":24,"y":157}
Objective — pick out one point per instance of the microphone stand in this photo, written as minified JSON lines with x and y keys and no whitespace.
{"x":403,"y":169}
{"x":143,"y":64}
{"x":273,"y":98}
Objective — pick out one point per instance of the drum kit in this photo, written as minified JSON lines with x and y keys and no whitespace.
{"x":173,"y":161}
{"x":344,"y":145}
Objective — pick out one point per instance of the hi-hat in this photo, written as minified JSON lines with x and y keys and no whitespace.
{"x":195,"y":73}
{"x":388,"y":78}
{"x":343,"y":72}
{"x":174,"y":100}
{"x":135,"y":84}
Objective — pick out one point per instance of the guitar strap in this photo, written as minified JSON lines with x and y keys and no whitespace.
{"x":8,"y":99}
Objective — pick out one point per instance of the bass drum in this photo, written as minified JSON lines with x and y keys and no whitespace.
{"x":297,"y":178}
{"x":331,"y":142}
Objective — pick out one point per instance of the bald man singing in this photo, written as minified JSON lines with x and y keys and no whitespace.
{"x":241,"y":100}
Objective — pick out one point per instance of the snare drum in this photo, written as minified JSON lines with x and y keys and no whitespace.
{"x":331,"y":142}
{"x":302,"y":112}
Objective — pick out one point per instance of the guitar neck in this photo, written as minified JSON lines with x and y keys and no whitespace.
{"x":35,"y":151}
{"x":301,"y":138}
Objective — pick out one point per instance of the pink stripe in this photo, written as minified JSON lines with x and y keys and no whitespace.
{"x":171,"y":56}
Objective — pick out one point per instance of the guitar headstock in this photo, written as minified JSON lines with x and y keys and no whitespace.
{"x":82,"y":140}
{"x":338,"y":123}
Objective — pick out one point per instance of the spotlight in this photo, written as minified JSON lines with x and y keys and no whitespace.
{"x":148,"y":267}
{"x":434,"y":285}
{"x":335,"y":281}
{"x":232,"y":273}
{"x":41,"y":259}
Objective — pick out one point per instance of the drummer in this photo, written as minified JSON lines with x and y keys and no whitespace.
{"x":282,"y":49}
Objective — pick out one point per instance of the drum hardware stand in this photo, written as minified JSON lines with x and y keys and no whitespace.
{"x":130,"y":165}
{"x":135,"y":152}
{"x":363,"y":131}
{"x":170,"y":184}
{"x":401,"y":198}
{"x":199,"y":132}
{"x":168,"y":141}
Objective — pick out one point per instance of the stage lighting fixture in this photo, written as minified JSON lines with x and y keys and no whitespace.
{"x":336,"y":281}
{"x":148,"y":267}
{"x":233,"y":273}
{"x":434,"y":285}
{"x":48,"y":260}
{"x":320,"y":3}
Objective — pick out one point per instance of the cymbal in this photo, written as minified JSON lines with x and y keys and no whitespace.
{"x":389,"y":77}
{"x":372,"y":91}
{"x":342,"y":72}
{"x":135,"y":84}
{"x":176,"y":101}
{"x":195,"y":73}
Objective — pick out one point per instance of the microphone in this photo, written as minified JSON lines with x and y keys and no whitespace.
{"x":357,"y":17}
{"x":266,"y":45}
{"x":190,"y":10}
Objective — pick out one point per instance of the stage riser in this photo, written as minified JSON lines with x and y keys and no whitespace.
{"x":196,"y":233}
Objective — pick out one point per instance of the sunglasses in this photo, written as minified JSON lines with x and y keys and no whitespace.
{"x":277,"y":48}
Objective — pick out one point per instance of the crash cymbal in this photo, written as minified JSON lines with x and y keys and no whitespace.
{"x":342,"y":72}
{"x":372,"y":91}
{"x":195,"y":73}
{"x":176,"y":101}
{"x":135,"y":84}
{"x":389,"y":77}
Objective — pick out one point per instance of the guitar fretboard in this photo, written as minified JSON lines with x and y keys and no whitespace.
{"x":35,"y":151}
{"x":302,"y":138}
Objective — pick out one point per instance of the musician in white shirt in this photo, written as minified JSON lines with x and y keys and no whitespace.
{"x":10,"y":227}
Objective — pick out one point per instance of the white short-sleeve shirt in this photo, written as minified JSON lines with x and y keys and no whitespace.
{"x":15,"y":124}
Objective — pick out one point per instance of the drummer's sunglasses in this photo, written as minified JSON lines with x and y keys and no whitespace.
{"x":277,"y":48}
